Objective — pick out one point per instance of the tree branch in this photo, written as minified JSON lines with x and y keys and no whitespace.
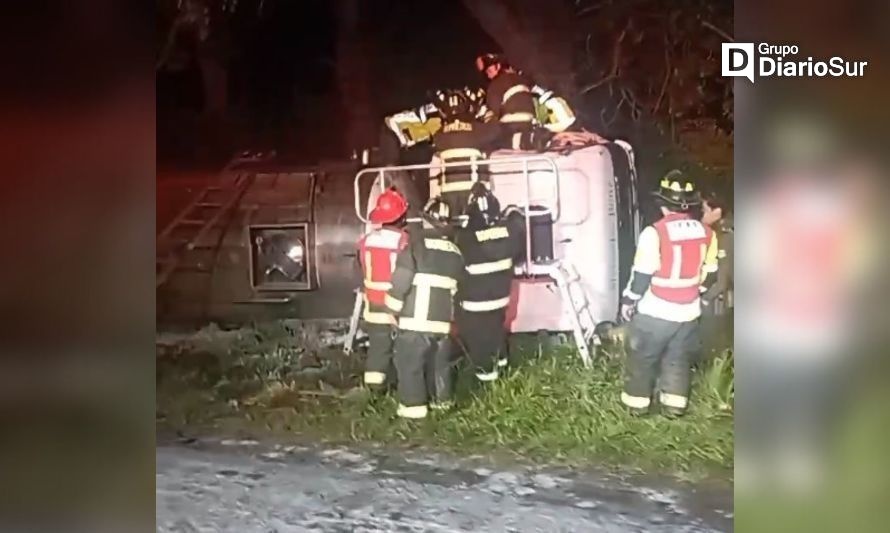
{"x":717,"y":30}
{"x":616,"y":56}
{"x":668,"y":70}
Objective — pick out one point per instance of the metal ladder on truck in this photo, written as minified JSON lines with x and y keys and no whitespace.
{"x":572,"y":293}
{"x":188,"y":232}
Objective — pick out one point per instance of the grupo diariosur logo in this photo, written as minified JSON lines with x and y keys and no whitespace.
{"x":738,"y":59}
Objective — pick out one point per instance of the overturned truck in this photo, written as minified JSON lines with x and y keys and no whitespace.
{"x":273,"y":240}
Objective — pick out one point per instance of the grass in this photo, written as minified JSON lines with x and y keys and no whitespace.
{"x":548,"y":407}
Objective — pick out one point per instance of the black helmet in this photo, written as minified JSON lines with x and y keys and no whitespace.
{"x":486,"y":60}
{"x":676,"y":191}
{"x":437,"y":212}
{"x":454,"y":104}
{"x":475,"y":96}
{"x":483,"y":208}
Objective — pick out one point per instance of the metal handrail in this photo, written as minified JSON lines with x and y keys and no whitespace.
{"x":380,"y":173}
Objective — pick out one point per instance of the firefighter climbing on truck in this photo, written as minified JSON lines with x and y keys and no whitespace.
{"x":513,"y":99}
{"x":461,"y":138}
{"x":378,"y":250}
{"x":675,"y":261}
{"x":424,"y":284}
{"x":488,"y":247}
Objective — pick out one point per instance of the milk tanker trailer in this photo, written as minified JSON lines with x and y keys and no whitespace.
{"x":273,"y":240}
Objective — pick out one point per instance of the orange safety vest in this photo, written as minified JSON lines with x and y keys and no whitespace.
{"x":378,"y":251}
{"x":683,"y":246}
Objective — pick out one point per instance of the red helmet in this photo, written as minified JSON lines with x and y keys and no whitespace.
{"x":390,"y":207}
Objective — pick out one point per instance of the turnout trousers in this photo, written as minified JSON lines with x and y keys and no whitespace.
{"x":484,"y":338}
{"x":379,"y":365}
{"x":716,"y":330}
{"x":660,"y":356}
{"x":423,"y":363}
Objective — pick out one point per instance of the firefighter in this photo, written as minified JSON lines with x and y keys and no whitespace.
{"x":717,"y":301}
{"x":676,"y":259}
{"x":488,"y":247}
{"x":514,"y":100}
{"x":461,"y":138}
{"x":378,"y":250}
{"x":424,"y":284}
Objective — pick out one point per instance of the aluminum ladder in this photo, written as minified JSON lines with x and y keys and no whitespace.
{"x":349,"y":343}
{"x":572,"y":293}
{"x":188,"y":231}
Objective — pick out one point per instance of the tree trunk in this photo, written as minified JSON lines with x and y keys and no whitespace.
{"x":536,"y":36}
{"x":352,"y":77}
{"x":214,"y":78}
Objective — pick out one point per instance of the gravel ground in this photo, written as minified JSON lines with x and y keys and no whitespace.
{"x":243,"y":486}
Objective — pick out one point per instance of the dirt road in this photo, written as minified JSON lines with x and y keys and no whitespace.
{"x":246,"y":487}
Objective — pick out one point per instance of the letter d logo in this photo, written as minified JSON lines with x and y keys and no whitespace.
{"x":737,"y":59}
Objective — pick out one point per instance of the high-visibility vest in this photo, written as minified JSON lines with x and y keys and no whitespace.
{"x":683,"y":243}
{"x":378,"y":251}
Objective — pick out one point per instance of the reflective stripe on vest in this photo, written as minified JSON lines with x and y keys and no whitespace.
{"x":378,"y":285}
{"x":493,"y":266}
{"x":379,"y":252}
{"x":683,"y":243}
{"x":378,"y":317}
{"x":487,"y":305}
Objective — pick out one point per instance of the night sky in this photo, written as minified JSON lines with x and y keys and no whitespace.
{"x":282,"y":70}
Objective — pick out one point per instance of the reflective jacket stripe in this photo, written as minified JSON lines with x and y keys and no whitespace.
{"x":516,"y":89}
{"x":455,"y":186}
{"x":441,"y":245}
{"x":681,"y":283}
{"x":425,"y":326}
{"x":489,"y":305}
{"x":452,"y":153}
{"x":488,"y":268}
{"x":517,"y":117}
{"x":393,"y":303}
{"x":435,"y":281}
{"x":497,"y":232}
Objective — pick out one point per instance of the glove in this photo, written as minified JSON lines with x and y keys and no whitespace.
{"x":627,"y":312}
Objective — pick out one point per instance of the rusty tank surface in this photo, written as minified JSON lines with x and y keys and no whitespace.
{"x":266,"y":239}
